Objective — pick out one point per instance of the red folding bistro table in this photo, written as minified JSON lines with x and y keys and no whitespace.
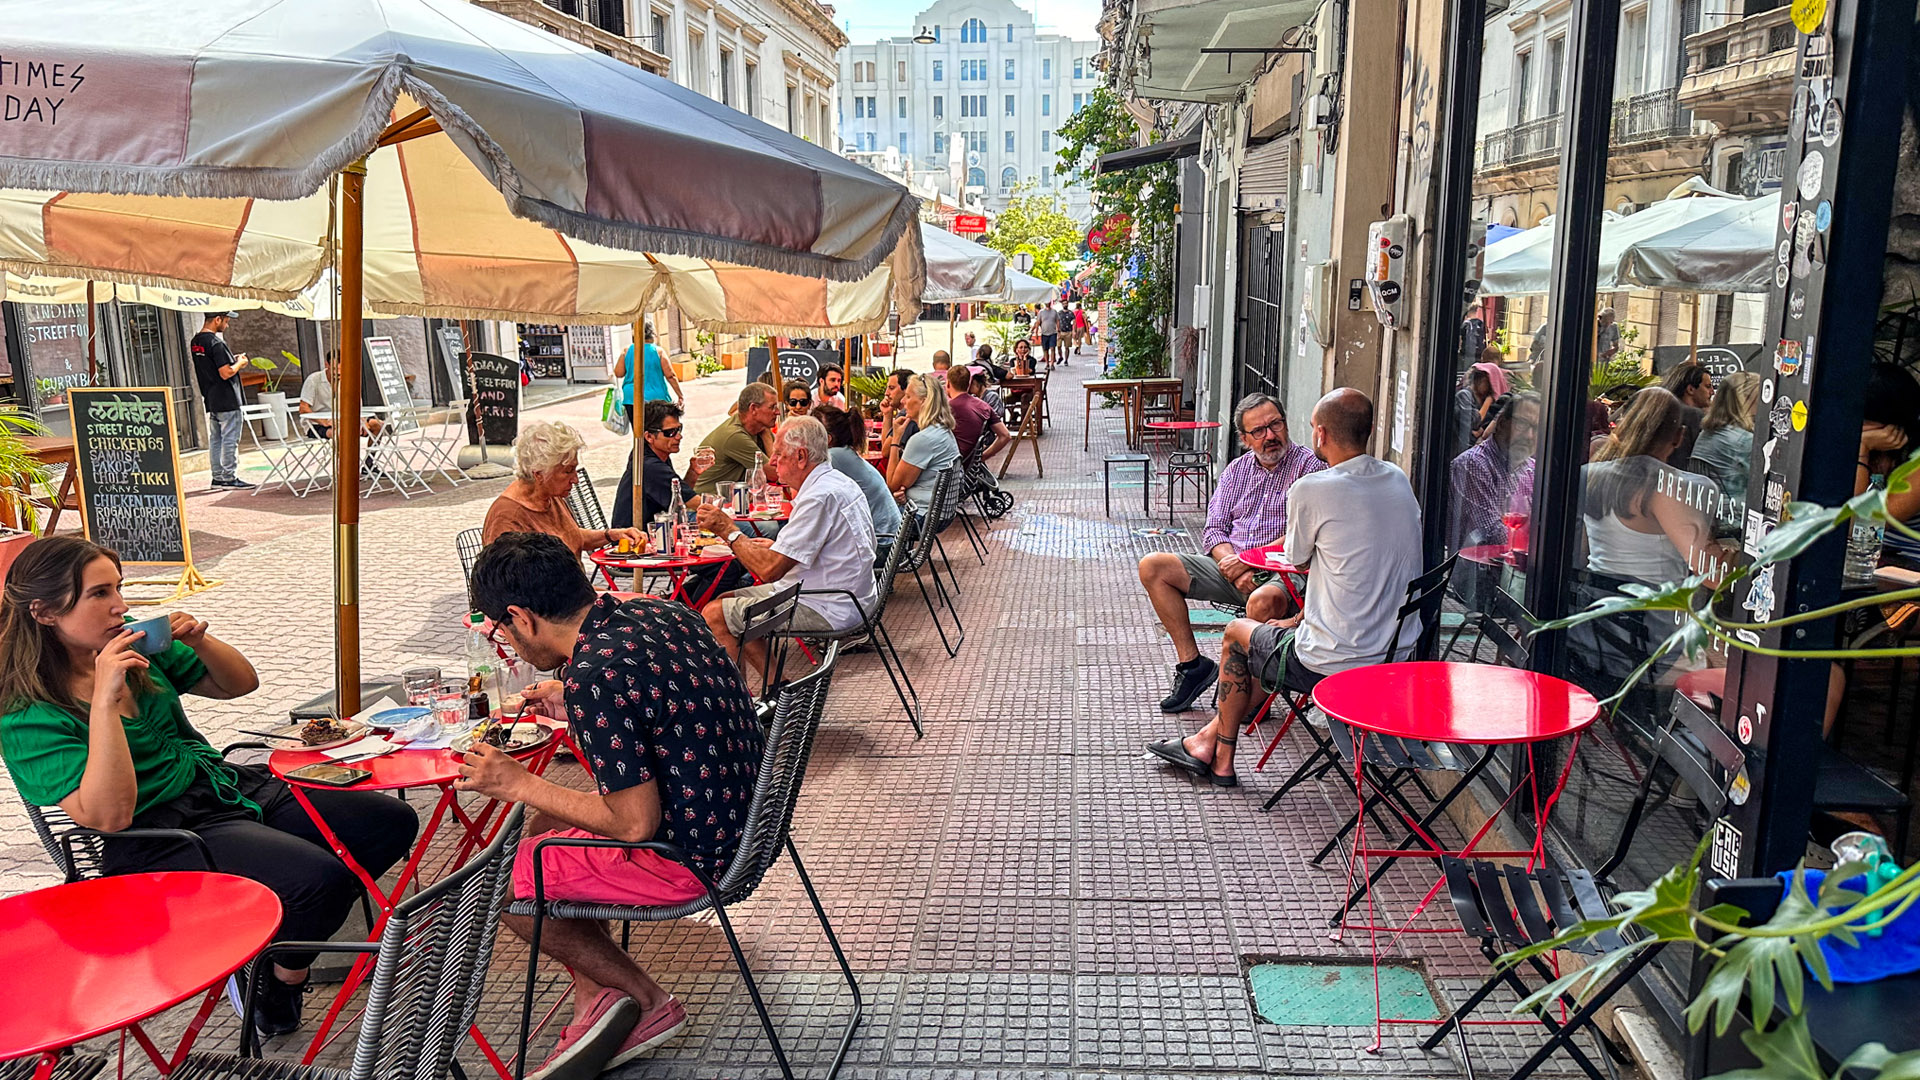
{"x":1273,"y":558}
{"x":99,"y":956}
{"x":1456,"y":704}
{"x":675,"y":567}
{"x":403,"y":770}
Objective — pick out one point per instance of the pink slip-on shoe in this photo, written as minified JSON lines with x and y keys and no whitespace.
{"x":595,"y":1036}
{"x":653,"y":1029}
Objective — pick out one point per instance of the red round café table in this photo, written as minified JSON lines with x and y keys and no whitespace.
{"x":98,"y":956}
{"x":1273,"y":557}
{"x":1475,"y":705}
{"x":676,"y":569}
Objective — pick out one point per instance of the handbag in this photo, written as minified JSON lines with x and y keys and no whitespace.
{"x":613,"y":416}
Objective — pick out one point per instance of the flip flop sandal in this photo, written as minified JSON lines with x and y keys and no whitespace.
{"x":1172,"y":752}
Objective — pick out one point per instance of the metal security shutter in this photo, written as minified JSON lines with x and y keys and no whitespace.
{"x":1264,"y":176}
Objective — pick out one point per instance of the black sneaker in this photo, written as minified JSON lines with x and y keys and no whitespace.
{"x":276,"y":1006}
{"x":1189,"y":682}
{"x":240,"y":485}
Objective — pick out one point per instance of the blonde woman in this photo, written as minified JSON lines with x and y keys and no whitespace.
{"x":546,"y":459}
{"x":929,"y":450}
{"x":1726,"y":442}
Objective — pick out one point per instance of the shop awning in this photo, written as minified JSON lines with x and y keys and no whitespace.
{"x":1161,"y":57}
{"x":1152,"y":154}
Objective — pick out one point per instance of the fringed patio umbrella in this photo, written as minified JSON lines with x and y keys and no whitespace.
{"x":232,"y":102}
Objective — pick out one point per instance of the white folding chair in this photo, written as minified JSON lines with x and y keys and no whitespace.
{"x":289,"y":463}
{"x":444,"y":431}
{"x":392,"y":456}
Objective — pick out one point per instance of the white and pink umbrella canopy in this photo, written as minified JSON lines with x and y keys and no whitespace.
{"x":223,"y":115}
{"x":267,"y":99}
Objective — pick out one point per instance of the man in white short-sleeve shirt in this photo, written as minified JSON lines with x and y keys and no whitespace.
{"x":1355,"y":527}
{"x":827,"y":545}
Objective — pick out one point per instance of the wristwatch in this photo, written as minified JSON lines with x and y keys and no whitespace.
{"x":734,"y":536}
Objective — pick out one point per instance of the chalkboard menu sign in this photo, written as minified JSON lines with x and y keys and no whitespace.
{"x":802,"y":364}
{"x":493,"y":388}
{"x":382,"y":372}
{"x":1721,"y":360}
{"x":452,"y":347}
{"x":129,"y":472}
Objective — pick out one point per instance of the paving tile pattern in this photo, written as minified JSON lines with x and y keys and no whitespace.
{"x":1023,"y":896}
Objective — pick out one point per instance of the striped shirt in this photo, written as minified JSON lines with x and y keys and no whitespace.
{"x":1249,"y":508}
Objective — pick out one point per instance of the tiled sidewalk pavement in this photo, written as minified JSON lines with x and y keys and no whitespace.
{"x":1022,"y":895}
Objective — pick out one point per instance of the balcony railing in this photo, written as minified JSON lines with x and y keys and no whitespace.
{"x":555,"y":20}
{"x":1646,"y":117}
{"x":1638,"y":119}
{"x":1534,"y":140}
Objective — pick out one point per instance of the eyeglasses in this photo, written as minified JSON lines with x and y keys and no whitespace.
{"x":1278,"y":427}
{"x":497,"y":633}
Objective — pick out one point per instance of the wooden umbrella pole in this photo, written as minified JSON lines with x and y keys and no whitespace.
{"x":346,"y":444}
{"x":637,"y":372}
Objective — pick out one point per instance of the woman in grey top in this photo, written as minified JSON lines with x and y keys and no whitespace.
{"x":1725,"y":447}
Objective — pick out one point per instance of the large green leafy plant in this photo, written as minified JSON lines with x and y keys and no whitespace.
{"x":1767,"y":963}
{"x":20,"y":471}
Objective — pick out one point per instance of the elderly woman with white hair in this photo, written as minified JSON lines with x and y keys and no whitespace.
{"x":546,"y":459}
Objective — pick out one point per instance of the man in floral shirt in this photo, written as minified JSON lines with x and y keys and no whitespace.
{"x":668,"y":731}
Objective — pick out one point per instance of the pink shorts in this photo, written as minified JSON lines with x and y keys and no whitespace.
{"x":603,"y":875}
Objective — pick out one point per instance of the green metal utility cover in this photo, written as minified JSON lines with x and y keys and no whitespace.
{"x":1303,"y":993}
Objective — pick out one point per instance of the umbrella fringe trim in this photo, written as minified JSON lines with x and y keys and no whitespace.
{"x":30,"y":269}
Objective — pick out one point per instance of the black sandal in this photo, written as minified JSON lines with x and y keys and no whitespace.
{"x":1174,"y":752}
{"x":1230,"y":779}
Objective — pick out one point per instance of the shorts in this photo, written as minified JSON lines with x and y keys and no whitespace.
{"x":1210,"y":586}
{"x":1272,"y":660}
{"x":1048,"y":341}
{"x":619,"y":876}
{"x":734,"y":609}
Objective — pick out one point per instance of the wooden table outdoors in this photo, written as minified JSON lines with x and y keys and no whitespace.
{"x":55,"y":450}
{"x":1153,"y":388}
{"x":1129,"y":391}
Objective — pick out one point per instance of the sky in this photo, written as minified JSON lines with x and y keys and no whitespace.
{"x":870,"y":20}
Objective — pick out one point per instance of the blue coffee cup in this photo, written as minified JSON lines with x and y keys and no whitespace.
{"x":159,"y":634}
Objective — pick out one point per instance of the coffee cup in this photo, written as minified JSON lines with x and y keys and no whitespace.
{"x":158,"y":637}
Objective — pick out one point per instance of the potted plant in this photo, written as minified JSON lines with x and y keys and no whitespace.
{"x":274,"y":395}
{"x":23,"y":474}
{"x":686,"y":366}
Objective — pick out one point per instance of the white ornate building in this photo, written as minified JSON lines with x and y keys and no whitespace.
{"x":976,"y":109}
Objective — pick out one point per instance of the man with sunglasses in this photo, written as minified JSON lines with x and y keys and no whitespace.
{"x":662,"y":431}
{"x":1249,"y":509}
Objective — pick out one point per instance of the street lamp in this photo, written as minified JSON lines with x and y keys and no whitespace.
{"x":925,"y":37}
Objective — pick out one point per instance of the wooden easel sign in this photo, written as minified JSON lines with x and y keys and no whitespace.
{"x":127,"y":468}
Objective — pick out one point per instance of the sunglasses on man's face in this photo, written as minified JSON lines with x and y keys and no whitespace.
{"x":668,"y":432}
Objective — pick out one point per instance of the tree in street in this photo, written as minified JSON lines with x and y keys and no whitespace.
{"x":1037,"y":222}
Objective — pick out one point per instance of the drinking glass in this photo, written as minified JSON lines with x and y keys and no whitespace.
{"x":450,"y":707}
{"x":724,"y":490}
{"x":419,"y":683}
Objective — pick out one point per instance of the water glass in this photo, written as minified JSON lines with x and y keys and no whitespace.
{"x":450,"y":707}
{"x":419,"y":683}
{"x":724,"y":489}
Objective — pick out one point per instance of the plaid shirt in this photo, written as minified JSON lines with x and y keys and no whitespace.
{"x":1249,"y":508}
{"x":1483,"y":486}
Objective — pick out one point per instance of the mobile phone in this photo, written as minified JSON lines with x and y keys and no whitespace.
{"x":331,"y":775}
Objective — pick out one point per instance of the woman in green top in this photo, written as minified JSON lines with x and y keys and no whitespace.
{"x":94,"y":727}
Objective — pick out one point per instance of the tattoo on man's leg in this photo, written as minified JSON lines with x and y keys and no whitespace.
{"x":1233,"y":670}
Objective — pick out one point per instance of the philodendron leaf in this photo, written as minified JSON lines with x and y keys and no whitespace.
{"x":1755,"y":965}
{"x":1583,"y":981}
{"x":1874,"y":1056}
{"x":1806,"y":522}
{"x":1632,"y":597}
{"x":1785,"y":1053}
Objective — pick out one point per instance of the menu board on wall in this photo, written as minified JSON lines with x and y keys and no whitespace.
{"x":388,"y":379}
{"x":54,"y":337}
{"x":493,"y":388}
{"x":453,"y":346}
{"x":128,"y":470}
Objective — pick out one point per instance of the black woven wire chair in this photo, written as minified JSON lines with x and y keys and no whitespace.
{"x":469,"y":545}
{"x":584,"y":502}
{"x":925,"y":534}
{"x":972,"y":469}
{"x":872,"y":631}
{"x":768,"y":832}
{"x":945,"y":507}
{"x":73,"y":1065}
{"x":429,"y":970}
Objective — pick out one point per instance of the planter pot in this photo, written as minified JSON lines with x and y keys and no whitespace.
{"x":11,"y":543}
{"x":275,"y":424}
{"x":685,"y":370}
{"x":733,"y":361}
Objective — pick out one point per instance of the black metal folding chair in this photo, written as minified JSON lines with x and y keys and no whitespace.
{"x":872,"y":631}
{"x":1509,"y":907}
{"x":764,"y":620}
{"x":469,"y":545}
{"x":767,"y":833}
{"x":920,"y":553}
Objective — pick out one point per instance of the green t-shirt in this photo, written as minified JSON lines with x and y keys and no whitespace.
{"x":733,"y":451}
{"x":45,"y":745}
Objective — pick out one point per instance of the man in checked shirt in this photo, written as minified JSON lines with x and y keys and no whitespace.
{"x":1249,"y":509}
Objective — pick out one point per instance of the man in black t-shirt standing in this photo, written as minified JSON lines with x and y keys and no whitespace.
{"x":218,"y":372}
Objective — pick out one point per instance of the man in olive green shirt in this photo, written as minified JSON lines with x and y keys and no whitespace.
{"x":737,"y":438}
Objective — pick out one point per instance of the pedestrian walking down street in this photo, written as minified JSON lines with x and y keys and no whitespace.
{"x":216,"y":367}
